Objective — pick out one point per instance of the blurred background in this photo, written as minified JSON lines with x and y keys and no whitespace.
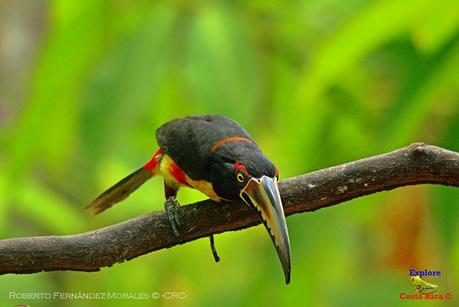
{"x":84,"y":84}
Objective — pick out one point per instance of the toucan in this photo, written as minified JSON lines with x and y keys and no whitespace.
{"x":218,"y":157}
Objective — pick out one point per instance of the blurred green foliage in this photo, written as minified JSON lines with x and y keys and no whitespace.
{"x":317,"y":83}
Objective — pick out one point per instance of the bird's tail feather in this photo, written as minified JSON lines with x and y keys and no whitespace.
{"x":120,"y":191}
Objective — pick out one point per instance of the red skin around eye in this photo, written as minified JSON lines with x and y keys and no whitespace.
{"x":240,"y":167}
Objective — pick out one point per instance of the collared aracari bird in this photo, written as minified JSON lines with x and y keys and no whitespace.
{"x":216,"y":156}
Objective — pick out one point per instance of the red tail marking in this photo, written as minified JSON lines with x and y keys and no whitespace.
{"x":178,"y":173}
{"x":228,"y":140}
{"x":150,"y":166}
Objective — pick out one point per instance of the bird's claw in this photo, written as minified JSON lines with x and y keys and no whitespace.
{"x":171,"y":205}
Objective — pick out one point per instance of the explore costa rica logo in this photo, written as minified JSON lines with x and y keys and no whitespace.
{"x":423,"y":289}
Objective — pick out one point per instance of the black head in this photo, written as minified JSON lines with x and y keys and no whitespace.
{"x":230,"y":173}
{"x":241,"y":171}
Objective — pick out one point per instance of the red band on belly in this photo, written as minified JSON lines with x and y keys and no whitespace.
{"x":177,"y":173}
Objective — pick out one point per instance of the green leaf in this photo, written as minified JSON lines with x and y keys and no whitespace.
{"x":436,"y":26}
{"x":49,"y":211}
{"x":411,"y":113}
{"x":121,"y":88}
{"x":371,"y":27}
{"x":47,"y":126}
{"x":221,"y":70}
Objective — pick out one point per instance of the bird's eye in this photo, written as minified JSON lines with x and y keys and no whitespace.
{"x":240,"y":177}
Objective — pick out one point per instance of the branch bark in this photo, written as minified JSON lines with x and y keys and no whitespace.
{"x":90,"y":251}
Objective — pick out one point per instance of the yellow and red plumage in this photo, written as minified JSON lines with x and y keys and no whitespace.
{"x":216,"y":156}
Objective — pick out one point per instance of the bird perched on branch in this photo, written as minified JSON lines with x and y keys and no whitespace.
{"x":216,"y":156}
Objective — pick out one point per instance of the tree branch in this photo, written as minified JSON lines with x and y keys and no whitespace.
{"x":90,"y":251}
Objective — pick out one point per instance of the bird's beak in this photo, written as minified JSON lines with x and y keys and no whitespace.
{"x":263,"y":195}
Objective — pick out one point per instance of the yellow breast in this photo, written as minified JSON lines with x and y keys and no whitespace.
{"x":174,"y":175}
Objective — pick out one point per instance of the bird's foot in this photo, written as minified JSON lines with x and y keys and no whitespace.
{"x":171,"y":205}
